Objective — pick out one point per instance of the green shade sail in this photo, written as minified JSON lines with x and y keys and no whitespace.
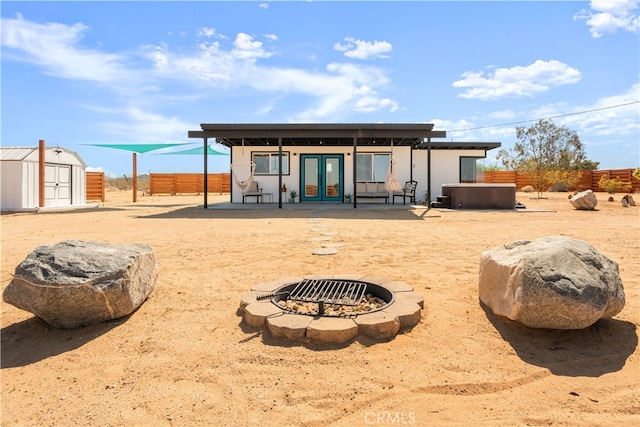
{"x":199,"y":151}
{"x":137,"y":148}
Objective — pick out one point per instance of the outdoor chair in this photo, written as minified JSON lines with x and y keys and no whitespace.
{"x":253,"y":190}
{"x":409,"y":191}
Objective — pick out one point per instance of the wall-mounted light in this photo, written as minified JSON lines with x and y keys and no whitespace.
{"x":295,"y":154}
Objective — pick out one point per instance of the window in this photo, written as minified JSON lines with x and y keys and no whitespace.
{"x":372,"y":167}
{"x":268,"y":163}
{"x":469,"y":169}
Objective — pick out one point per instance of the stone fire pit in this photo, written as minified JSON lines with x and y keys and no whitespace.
{"x":380,"y":324}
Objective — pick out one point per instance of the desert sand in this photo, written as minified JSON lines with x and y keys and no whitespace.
{"x":184,"y":358}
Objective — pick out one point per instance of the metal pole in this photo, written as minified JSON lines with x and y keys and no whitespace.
{"x":429,"y":173}
{"x":280,"y":173}
{"x":355,"y":171}
{"x":206,"y":173}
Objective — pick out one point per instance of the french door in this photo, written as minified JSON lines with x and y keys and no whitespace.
{"x":321,"y":177}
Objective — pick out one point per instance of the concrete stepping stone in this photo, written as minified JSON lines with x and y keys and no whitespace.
{"x":320,"y":239}
{"x":332,"y":245}
{"x":324,"y":251}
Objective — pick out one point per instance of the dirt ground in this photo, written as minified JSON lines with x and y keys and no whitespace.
{"x":184,"y":358}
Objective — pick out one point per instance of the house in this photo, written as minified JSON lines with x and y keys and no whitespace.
{"x":325,"y":162}
{"x":26,"y":187}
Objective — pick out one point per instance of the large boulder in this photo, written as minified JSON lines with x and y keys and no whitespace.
{"x":554,"y":282}
{"x":585,"y":200}
{"x":77,"y":283}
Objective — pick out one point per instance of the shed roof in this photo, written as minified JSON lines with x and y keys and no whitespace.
{"x":30,"y":154}
{"x":16,"y":153}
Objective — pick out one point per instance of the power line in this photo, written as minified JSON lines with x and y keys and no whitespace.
{"x":546,"y":118}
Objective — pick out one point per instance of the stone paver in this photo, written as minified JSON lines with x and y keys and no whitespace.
{"x":256,"y":314}
{"x":332,"y":329}
{"x":289,"y":327}
{"x":378,"y":325}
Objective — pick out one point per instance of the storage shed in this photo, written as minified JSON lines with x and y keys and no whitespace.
{"x":64,"y":178}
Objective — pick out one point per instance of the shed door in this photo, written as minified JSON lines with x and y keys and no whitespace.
{"x":57,"y":185}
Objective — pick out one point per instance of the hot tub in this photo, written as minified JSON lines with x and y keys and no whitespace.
{"x":479,"y":196}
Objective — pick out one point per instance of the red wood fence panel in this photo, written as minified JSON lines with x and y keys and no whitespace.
{"x":588,"y":181}
{"x":180,"y":183}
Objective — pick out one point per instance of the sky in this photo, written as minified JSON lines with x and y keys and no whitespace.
{"x":78,"y":73}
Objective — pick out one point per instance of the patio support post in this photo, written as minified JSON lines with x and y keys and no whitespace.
{"x":355,"y":177}
{"x":280,"y":173}
{"x":206,"y":172}
{"x":411,"y":162}
{"x":135,"y":177}
{"x":428,"y":173}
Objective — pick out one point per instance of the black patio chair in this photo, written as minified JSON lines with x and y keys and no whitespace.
{"x":409,"y":191}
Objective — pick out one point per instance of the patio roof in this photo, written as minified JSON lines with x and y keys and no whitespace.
{"x":316,"y":134}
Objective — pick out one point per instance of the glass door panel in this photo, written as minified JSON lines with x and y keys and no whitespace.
{"x":322,"y":177}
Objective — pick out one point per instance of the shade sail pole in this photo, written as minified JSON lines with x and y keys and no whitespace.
{"x":41,"y":172}
{"x":135,"y":177}
{"x":206,"y":172}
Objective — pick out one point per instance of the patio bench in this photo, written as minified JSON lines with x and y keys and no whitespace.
{"x":372,"y":190}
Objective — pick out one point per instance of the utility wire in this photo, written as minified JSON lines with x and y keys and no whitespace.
{"x":546,"y":118}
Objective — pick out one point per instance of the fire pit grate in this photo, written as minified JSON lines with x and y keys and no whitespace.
{"x":341,"y":292}
{"x":323,"y":291}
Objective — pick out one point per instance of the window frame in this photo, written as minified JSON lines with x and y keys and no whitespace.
{"x":273,"y":155}
{"x":373,"y":154}
{"x":475,"y":162}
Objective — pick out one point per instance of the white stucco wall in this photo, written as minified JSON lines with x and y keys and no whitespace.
{"x":445,"y":167}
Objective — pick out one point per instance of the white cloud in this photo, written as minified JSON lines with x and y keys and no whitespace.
{"x":608,"y":16}
{"x":148,"y":76}
{"x":206,"y":32}
{"x":517,"y":81}
{"x":360,"y":49}
{"x":54,"y":47}
{"x":248,"y":48}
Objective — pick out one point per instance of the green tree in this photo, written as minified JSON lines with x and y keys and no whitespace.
{"x":543,"y":149}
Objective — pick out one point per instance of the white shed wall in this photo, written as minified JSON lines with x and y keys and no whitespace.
{"x":20,"y":180}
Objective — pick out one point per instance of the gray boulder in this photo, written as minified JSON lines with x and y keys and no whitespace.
{"x":585,"y":200}
{"x":554,"y":282}
{"x":77,"y":283}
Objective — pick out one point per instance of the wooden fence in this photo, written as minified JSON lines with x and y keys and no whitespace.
{"x":588,"y":181}
{"x":95,"y":186}
{"x":178,"y":183}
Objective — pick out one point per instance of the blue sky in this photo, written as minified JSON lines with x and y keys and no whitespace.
{"x":76,"y":73}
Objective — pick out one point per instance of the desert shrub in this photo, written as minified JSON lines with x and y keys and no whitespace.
{"x":563,"y":180}
{"x":636,"y":173}
{"x":527,"y":189}
{"x":559,"y":187}
{"x":614,"y":185}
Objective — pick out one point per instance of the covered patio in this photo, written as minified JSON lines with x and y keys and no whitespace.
{"x":347,"y":137}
